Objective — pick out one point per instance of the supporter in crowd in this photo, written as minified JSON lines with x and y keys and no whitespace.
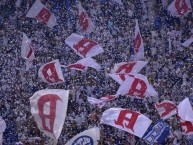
{"x":169,"y":68}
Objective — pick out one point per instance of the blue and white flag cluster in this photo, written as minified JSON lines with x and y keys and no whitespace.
{"x":157,"y":133}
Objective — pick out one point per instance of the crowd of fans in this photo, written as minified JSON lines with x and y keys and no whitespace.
{"x":169,"y":68}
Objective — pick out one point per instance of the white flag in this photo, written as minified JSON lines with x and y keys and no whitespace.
{"x":49,"y":110}
{"x":185,"y":111}
{"x":137,"y":85}
{"x":187,"y":127}
{"x":180,"y":8}
{"x":84,"y":20}
{"x":83,"y":47}
{"x":102,"y":101}
{"x":119,"y":78}
{"x":187,"y":42}
{"x":51,"y":72}
{"x":87,"y":137}
{"x":27,"y":51}
{"x":166,"y":109}
{"x":84,"y":63}
{"x":42,"y":14}
{"x":138,"y":43}
{"x":127,"y":120}
{"x":128,"y":67}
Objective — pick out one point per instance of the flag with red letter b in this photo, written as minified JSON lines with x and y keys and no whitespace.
{"x":180,"y":8}
{"x":127,"y":120}
{"x":128,"y":67}
{"x":83,"y":47}
{"x":51,"y":72}
{"x":84,"y":20}
{"x":42,"y":14}
{"x":166,"y":109}
{"x":136,"y":85}
{"x":49,"y":110}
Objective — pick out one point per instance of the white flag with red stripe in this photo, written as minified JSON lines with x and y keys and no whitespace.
{"x":51,"y":72}
{"x":49,"y":110}
{"x":84,"y":20}
{"x":84,"y":63}
{"x":137,"y":85}
{"x":127,"y":120}
{"x":42,"y":14}
{"x":138,"y":43}
{"x":180,"y":8}
{"x":185,"y":111}
{"x":102,"y":101}
{"x":187,"y":127}
{"x":27,"y":51}
{"x":128,"y":67}
{"x":166,"y":109}
{"x":83,"y":47}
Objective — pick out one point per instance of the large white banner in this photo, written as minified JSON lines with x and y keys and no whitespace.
{"x":49,"y":110}
{"x":41,"y":13}
{"x":51,"y":72}
{"x":127,"y":120}
{"x":87,"y":137}
{"x":83,"y":47}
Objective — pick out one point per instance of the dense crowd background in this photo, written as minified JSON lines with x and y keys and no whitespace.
{"x":169,"y":68}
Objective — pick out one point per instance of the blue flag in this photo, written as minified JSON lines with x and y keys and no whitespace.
{"x":157,"y":133}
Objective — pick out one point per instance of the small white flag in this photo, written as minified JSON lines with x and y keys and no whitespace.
{"x":185,"y":111}
{"x":138,"y":43}
{"x":42,"y":14}
{"x":27,"y":51}
{"x":51,"y":72}
{"x":180,"y":8}
{"x":137,"y":85}
{"x":128,"y":67}
{"x":83,"y":47}
{"x":84,"y":20}
{"x":84,"y":63}
{"x":102,"y":101}
{"x":166,"y":109}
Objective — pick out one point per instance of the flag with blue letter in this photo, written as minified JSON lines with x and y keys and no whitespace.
{"x":157,"y":133}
